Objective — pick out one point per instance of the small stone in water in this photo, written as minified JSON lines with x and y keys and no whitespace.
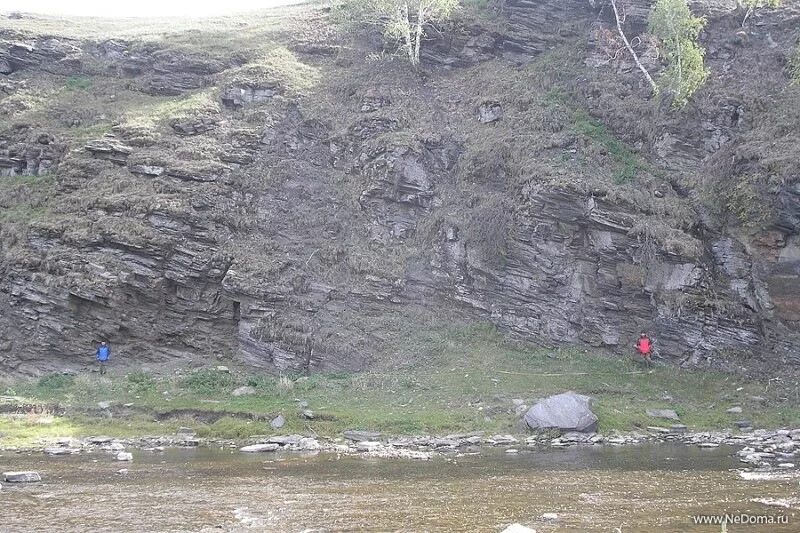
{"x":786,"y":465}
{"x":124,"y":456}
{"x":367,"y":446}
{"x":22,"y":477}
{"x":55,"y":450}
{"x":550,"y":516}
{"x":308,"y":444}
{"x":518,"y":528}
{"x":256,"y":448}
{"x":358,"y":436}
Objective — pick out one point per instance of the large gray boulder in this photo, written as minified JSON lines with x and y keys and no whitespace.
{"x":567,"y":412}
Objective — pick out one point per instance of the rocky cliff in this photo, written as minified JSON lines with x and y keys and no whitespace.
{"x":290,"y":197}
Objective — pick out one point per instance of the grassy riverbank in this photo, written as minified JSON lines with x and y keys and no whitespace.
{"x":453,"y":381}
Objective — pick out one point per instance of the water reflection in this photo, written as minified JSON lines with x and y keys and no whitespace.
{"x":644,"y":488}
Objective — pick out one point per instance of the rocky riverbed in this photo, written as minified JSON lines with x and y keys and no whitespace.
{"x":652,"y":486}
{"x":761,"y":449}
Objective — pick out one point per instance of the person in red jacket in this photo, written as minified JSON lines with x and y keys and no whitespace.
{"x":645,"y":347}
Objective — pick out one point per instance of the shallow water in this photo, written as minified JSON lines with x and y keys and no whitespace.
{"x":644,"y":488}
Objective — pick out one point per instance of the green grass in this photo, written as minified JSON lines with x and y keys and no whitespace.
{"x":628,"y":164}
{"x":454,"y":380}
{"x":78,"y":83}
{"x":22,"y":213}
{"x":207,"y":382}
{"x":52,"y":383}
{"x":278,"y":66}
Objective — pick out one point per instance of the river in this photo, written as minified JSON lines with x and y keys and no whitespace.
{"x":634,"y":488}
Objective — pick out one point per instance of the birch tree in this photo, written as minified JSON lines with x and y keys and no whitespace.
{"x":677,"y":31}
{"x":405,"y":21}
{"x":620,"y":18}
{"x":750,"y":6}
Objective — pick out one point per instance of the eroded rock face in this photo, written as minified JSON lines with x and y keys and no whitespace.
{"x":240,"y":96}
{"x":19,"y":54}
{"x":26,"y":152}
{"x":286,"y":240}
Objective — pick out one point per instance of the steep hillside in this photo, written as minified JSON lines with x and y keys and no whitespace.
{"x":275,"y":192}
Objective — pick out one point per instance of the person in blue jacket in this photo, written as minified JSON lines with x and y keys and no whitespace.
{"x":103,"y":354}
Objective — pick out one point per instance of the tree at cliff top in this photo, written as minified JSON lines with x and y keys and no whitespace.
{"x":749,"y":6}
{"x":403,"y":21}
{"x":620,"y":19}
{"x":677,"y":31}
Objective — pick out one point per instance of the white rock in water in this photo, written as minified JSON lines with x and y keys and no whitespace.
{"x":786,"y":465}
{"x":767,"y":476}
{"x":286,"y":440}
{"x":124,"y":456}
{"x":550,"y":516}
{"x":368,"y":446}
{"x":309,"y":444}
{"x":57,"y":450}
{"x":786,"y":503}
{"x":256,"y":448}
{"x":518,"y":528}
{"x":708,"y":444}
{"x":22,"y":477}
{"x":503,"y":439}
